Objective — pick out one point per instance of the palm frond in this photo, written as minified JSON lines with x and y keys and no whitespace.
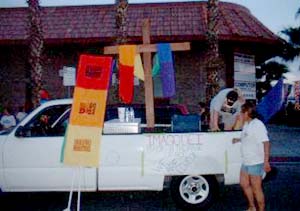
{"x":291,"y":48}
{"x":293,"y":35}
{"x":298,"y":13}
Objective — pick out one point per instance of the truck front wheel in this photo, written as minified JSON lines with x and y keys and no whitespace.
{"x":194,"y":192}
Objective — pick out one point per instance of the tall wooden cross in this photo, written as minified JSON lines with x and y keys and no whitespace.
{"x":146,"y":48}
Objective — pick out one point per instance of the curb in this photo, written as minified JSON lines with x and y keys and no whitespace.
{"x":285,"y":159}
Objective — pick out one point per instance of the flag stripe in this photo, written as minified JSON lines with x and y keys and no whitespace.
{"x":82,"y":147}
{"x":167,"y":69}
{"x":88,"y":107}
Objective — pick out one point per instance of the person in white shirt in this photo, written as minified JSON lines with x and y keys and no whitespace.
{"x":7,"y":120}
{"x":255,"y":150}
{"x":226,"y":106}
{"x":21,"y":114}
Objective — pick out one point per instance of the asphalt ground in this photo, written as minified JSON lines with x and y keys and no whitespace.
{"x":285,"y":143}
{"x":282,"y":193}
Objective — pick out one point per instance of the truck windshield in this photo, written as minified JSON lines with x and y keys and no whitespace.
{"x":7,"y":131}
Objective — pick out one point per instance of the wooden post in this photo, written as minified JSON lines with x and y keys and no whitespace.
{"x":149,"y":98}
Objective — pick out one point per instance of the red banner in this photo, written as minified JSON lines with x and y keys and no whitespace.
{"x":94,"y":72}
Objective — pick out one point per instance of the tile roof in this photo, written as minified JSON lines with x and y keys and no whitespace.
{"x":169,"y":21}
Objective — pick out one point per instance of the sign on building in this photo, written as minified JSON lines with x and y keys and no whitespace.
{"x":69,"y":76}
{"x":244,"y":74}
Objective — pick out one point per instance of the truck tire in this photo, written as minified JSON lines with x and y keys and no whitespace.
{"x":194,"y":192}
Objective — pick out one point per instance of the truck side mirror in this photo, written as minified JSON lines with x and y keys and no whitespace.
{"x":20,"y":132}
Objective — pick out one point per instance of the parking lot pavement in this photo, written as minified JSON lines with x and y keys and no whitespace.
{"x":281,"y":194}
{"x":285,"y":142}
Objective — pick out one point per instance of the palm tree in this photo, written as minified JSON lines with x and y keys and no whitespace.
{"x":212,"y":56}
{"x":269,"y":71}
{"x":292,"y":45}
{"x":36,"y":45}
{"x":121,"y":21}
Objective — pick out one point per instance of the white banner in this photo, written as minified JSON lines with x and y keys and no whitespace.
{"x":244,"y":74}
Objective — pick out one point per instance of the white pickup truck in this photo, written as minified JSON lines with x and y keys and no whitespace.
{"x":191,"y":164}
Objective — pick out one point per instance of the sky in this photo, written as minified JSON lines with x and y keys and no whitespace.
{"x":275,"y":14}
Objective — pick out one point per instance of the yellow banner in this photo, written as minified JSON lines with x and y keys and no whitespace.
{"x":88,"y":107}
{"x":82,"y":146}
{"x":127,"y":54}
{"x":138,"y":67}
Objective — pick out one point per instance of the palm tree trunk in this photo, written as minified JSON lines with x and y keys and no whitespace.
{"x":212,"y":56}
{"x":36,"y":45}
{"x":121,"y":21}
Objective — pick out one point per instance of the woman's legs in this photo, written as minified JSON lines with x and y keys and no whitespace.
{"x":256,"y":185}
{"x":246,"y":186}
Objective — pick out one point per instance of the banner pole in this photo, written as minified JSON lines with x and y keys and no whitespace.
{"x":79,"y":186}
{"x":71,"y":191}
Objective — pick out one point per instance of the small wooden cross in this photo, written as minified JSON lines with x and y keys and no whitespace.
{"x":146,"y":48}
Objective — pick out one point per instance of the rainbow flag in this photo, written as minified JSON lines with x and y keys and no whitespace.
{"x":83,"y":136}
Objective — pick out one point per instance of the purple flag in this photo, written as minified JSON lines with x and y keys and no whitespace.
{"x":167,"y":69}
